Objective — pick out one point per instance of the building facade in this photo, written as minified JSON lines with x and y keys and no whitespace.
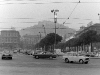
{"x":9,"y":38}
{"x":30,"y":40}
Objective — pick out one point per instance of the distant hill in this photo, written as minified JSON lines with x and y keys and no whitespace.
{"x":49,"y":27}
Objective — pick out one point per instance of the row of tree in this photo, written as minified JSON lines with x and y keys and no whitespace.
{"x":87,"y":38}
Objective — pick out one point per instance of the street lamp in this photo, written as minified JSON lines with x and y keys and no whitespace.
{"x":55,"y":21}
{"x":45,"y":34}
{"x":39,"y":38}
{"x":44,"y":30}
{"x":99,"y":16}
{"x":40,"y":35}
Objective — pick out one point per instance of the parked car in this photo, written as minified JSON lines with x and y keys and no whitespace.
{"x":75,"y":57}
{"x":44,"y":55}
{"x":90,"y":55}
{"x":32,"y":52}
{"x":37,"y":51}
{"x":6,"y":56}
{"x":28,"y":52}
{"x":15,"y":51}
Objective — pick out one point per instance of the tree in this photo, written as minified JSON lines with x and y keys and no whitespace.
{"x":61,"y":46}
{"x":89,"y":37}
{"x":37,"y":45}
{"x":86,"y":38}
{"x":49,"y":40}
{"x":74,"y":42}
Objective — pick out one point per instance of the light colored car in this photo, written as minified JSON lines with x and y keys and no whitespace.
{"x":75,"y":57}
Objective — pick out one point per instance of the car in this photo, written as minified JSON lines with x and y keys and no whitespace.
{"x":6,"y":56}
{"x":37,"y":51}
{"x":75,"y":57}
{"x":90,"y":54}
{"x":28,"y":52}
{"x":32,"y":52}
{"x":44,"y":55}
{"x":15,"y":51}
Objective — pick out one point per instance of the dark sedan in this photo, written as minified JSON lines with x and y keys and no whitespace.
{"x":45,"y":55}
{"x":90,"y":55}
{"x":6,"y":56}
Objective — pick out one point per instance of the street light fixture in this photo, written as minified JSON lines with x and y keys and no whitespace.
{"x":55,"y":21}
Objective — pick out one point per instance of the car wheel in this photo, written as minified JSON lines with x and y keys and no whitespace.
{"x":2,"y":57}
{"x":66,"y":60}
{"x":10,"y":58}
{"x":81,"y":61}
{"x":37,"y":57}
{"x":86,"y":62}
{"x":71,"y":61}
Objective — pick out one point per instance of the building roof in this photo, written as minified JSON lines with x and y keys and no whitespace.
{"x":9,"y":31}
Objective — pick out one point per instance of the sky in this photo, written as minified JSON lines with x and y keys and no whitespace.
{"x":25,"y":13}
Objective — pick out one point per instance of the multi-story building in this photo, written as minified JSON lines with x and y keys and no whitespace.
{"x":30,"y":40}
{"x":9,"y":38}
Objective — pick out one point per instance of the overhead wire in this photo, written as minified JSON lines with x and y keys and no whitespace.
{"x":56,"y":2}
{"x":72,"y":11}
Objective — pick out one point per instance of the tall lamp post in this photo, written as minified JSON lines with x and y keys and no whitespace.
{"x":55,"y":21}
{"x":44,"y":30}
{"x":40,"y":35}
{"x":99,"y":17}
{"x":44,"y":33}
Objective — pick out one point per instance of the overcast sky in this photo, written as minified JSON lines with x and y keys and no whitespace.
{"x":26,"y":13}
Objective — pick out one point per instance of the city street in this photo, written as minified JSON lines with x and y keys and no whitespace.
{"x":27,"y":65}
{"x":47,"y":28}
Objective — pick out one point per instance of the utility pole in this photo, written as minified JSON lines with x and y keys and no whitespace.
{"x":55,"y":21}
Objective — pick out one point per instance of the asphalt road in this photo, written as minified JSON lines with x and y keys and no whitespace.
{"x":26,"y":65}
